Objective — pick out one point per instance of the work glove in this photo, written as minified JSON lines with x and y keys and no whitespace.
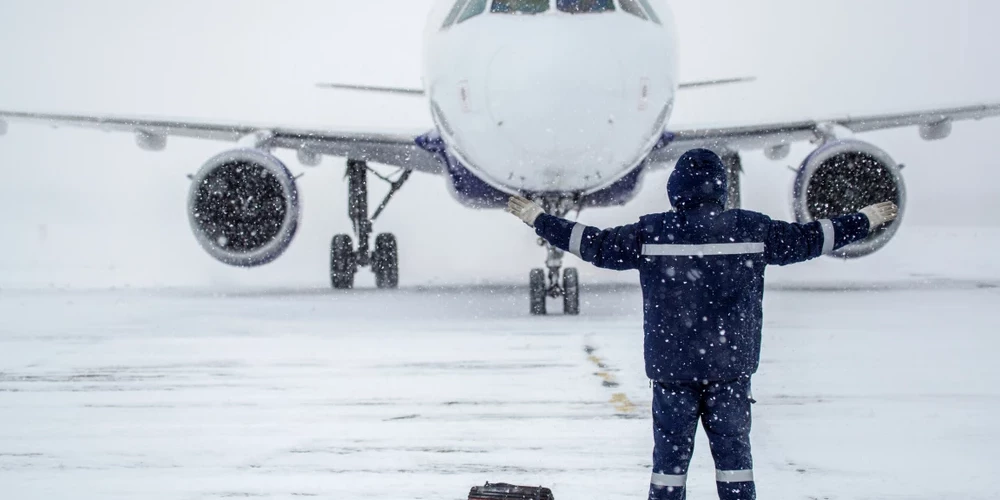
{"x":524,"y":209}
{"x":880,"y":214}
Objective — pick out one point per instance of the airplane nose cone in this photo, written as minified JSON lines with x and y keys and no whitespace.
{"x":557,"y":101}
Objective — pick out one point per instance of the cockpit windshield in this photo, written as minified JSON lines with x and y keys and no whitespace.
{"x":474,"y":8}
{"x":453,"y":14}
{"x":519,"y":6}
{"x":585,"y":6}
{"x":632,"y":7}
{"x":650,"y":11}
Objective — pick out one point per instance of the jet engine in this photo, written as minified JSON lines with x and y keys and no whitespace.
{"x":244,"y":207}
{"x":842,"y":177}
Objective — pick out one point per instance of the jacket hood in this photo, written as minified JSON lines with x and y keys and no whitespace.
{"x":699,"y":179}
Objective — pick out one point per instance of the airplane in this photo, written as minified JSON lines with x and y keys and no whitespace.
{"x":567,"y":102}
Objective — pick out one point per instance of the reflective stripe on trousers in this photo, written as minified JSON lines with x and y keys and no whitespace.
{"x":734,"y":476}
{"x":668,"y":480}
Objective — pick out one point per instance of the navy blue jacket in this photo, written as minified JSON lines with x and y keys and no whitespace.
{"x":702,"y":270}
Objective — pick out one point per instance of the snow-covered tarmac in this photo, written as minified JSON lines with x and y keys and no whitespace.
{"x":891,"y":392}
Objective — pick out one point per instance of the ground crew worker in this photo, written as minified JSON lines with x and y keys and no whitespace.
{"x":701,"y":269}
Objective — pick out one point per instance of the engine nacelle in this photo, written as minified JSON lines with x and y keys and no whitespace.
{"x":842,"y":177}
{"x":244,"y":207}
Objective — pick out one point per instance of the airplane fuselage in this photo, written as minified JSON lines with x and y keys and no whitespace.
{"x":553,"y":101}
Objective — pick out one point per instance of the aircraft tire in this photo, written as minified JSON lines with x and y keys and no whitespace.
{"x":571,"y":292}
{"x":385,"y":263}
{"x":343,"y":265}
{"x":538,"y":291}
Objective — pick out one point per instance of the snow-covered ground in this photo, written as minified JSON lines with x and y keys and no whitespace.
{"x":422,"y":393}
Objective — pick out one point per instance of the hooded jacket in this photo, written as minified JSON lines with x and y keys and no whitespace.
{"x":701,"y":268}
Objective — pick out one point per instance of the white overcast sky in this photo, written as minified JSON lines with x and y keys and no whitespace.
{"x":88,"y":208}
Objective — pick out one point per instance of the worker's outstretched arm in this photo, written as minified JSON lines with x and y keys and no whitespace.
{"x":617,"y":248}
{"x":788,"y":243}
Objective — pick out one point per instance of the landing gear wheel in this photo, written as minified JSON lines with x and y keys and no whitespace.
{"x":539,"y":291}
{"x":343,"y":266}
{"x":385,"y":262}
{"x":571,"y":292}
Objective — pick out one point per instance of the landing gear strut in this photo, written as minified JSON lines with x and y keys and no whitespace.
{"x":545,"y":283}
{"x":384,"y":260}
{"x":734,"y":167}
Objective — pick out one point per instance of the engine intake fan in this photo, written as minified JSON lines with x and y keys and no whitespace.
{"x":842,"y":177}
{"x":244,"y":207}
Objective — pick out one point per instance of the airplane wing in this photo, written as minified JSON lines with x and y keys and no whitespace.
{"x":933,"y":124}
{"x":399,"y":150}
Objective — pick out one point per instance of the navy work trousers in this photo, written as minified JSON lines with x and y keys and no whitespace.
{"x":724,"y":410}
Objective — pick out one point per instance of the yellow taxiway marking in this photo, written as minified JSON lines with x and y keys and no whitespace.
{"x":622,"y":404}
{"x":619,"y":400}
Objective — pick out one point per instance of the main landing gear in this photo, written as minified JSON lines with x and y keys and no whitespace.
{"x":734,"y":167}
{"x":545,"y":283}
{"x":384,"y":259}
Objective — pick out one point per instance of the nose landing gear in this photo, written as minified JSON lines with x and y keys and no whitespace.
{"x":544,"y":283}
